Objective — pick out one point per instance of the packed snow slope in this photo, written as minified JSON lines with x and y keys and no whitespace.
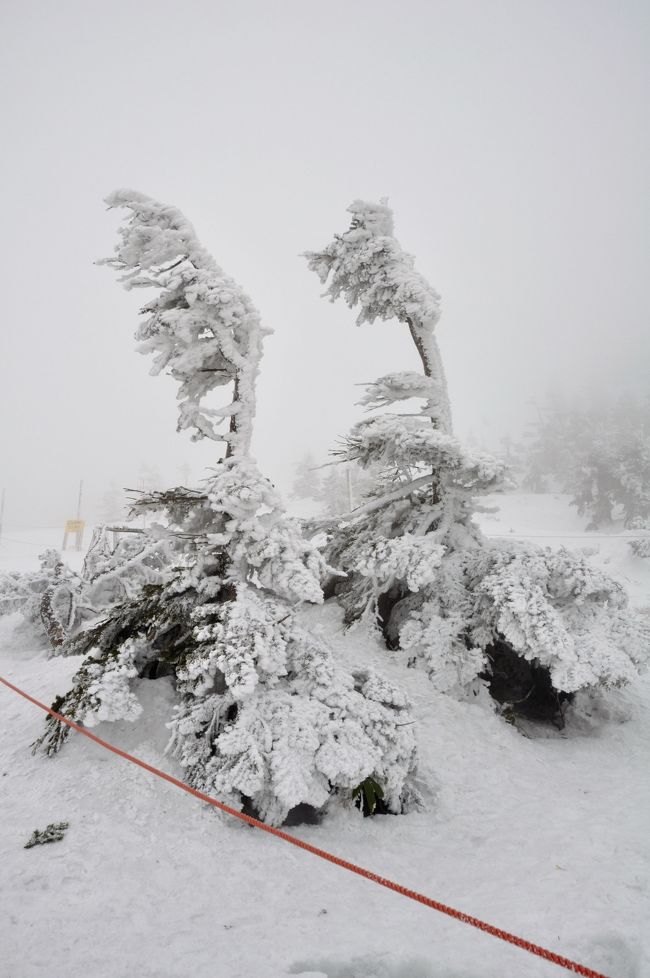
{"x":540,"y":832}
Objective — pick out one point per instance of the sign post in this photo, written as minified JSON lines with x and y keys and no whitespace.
{"x":75,"y":526}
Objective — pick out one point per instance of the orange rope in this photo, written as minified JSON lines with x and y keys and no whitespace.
{"x":503,"y":935}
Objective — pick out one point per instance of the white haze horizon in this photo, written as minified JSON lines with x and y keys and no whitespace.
{"x":510,"y":138}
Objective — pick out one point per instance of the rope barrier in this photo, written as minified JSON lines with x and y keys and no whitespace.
{"x":503,"y":935}
{"x":24,"y":543}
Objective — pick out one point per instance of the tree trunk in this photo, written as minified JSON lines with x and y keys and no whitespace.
{"x":438,"y":406}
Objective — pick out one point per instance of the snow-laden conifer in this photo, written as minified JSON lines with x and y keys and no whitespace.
{"x":416,"y":562}
{"x":202,"y":327}
{"x":46,"y":599}
{"x":265,"y":718}
{"x":307,"y":481}
{"x":600,"y":455}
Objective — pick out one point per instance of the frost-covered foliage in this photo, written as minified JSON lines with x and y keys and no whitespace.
{"x":552,"y":608}
{"x":14,"y":592}
{"x":414,"y":559}
{"x":558,"y":610}
{"x":368,"y":267}
{"x":266,"y":719}
{"x":46,"y":599}
{"x":640,"y":545}
{"x":278,"y":722}
{"x":397,"y":387}
{"x":56,"y":602}
{"x":202,"y":328}
{"x":113,"y":573}
{"x":416,"y":563}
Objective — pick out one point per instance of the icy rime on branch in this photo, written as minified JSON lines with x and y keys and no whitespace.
{"x":202,"y":328}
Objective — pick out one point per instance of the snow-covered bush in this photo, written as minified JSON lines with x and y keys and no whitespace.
{"x":13,"y":592}
{"x":416,"y":563}
{"x":553,"y":609}
{"x":640,"y":545}
{"x":45,"y":598}
{"x":56,"y":602}
{"x":266,"y":718}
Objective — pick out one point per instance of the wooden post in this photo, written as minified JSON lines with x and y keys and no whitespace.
{"x":81,"y":487}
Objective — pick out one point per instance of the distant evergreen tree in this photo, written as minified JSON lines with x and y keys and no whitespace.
{"x":600,"y":455}
{"x":149,"y":478}
{"x":113,"y":506}
{"x":307,"y":483}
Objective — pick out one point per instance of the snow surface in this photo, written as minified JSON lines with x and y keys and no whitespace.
{"x":544,"y":835}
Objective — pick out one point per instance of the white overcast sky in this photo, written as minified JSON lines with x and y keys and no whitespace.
{"x":511,"y":137}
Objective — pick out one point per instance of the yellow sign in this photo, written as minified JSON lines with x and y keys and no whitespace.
{"x":76,"y":527}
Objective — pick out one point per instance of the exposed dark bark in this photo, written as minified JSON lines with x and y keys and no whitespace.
{"x":426,"y":367}
{"x":419,"y":346}
{"x":53,"y":627}
{"x":233,"y":418}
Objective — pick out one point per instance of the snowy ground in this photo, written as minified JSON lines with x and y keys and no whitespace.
{"x":545,"y":836}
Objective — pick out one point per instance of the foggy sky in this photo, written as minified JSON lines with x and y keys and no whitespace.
{"x":511,"y":138}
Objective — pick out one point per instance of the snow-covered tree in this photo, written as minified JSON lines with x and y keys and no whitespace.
{"x":640,"y":544}
{"x":344,"y":484}
{"x":266,"y":718}
{"x":113,"y":507}
{"x":426,"y":481}
{"x":600,"y":454}
{"x":307,"y":482}
{"x":549,"y":445}
{"x":416,"y":563}
{"x":202,"y":328}
{"x":45,"y":598}
{"x":149,"y":478}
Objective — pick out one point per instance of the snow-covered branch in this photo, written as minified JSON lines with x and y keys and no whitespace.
{"x":367,"y":266}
